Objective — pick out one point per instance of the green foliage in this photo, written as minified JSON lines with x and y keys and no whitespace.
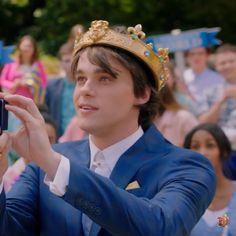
{"x":50,"y":21}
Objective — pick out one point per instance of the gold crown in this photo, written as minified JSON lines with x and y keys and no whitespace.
{"x":100,"y":34}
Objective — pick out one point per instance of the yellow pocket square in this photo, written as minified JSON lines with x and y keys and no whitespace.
{"x":132,"y":185}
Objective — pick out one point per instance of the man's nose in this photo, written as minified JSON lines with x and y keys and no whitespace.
{"x":88,"y":87}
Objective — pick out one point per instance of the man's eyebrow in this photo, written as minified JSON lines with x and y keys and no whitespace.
{"x":99,"y":70}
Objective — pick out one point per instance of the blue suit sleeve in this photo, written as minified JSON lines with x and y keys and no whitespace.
{"x":19,"y":207}
{"x":184,"y":190}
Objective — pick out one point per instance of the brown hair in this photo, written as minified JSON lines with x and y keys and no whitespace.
{"x":168,"y":101}
{"x":65,"y":49}
{"x":75,"y":32}
{"x":35,"y":46}
{"x":226,"y":48}
{"x":141,"y":75}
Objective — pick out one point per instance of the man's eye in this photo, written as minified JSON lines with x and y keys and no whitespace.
{"x":104,"y":78}
{"x":81,"y":79}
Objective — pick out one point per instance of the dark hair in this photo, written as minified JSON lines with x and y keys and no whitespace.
{"x":217,"y":133}
{"x":35,"y":46}
{"x":49,"y":120}
{"x":226,"y":48}
{"x":43,"y":109}
{"x":141,"y":75}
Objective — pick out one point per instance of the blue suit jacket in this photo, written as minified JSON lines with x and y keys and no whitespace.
{"x":176,"y":186}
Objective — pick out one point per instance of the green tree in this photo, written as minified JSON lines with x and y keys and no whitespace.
{"x":50,"y":21}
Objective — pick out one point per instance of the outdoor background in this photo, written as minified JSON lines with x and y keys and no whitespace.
{"x":49,"y":21}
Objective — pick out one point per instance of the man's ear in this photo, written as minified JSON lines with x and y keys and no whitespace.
{"x":143,"y":98}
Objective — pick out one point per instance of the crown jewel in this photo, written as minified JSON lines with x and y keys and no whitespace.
{"x":100,"y":34}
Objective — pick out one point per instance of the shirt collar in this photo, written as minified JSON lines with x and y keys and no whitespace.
{"x":112,"y":153}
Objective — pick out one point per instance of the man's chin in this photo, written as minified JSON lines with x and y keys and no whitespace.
{"x":90,"y":129}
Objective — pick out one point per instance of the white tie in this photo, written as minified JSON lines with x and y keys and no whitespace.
{"x":99,"y":165}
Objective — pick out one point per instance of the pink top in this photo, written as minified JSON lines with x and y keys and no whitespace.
{"x":73,"y":131}
{"x":11,"y":72}
{"x":13,"y":173}
{"x":174,"y":125}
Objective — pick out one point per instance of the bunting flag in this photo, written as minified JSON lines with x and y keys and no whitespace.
{"x":5,"y":53}
{"x":185,"y":40}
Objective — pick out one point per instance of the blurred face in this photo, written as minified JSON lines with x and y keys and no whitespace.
{"x":52,"y":136}
{"x":226,"y":65}
{"x":197,"y":59}
{"x":204,"y":143}
{"x":26,"y":49}
{"x":106,"y":104}
{"x":66,"y":60}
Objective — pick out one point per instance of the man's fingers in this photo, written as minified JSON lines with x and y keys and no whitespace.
{"x":25,"y":103}
{"x":4,"y":142}
{"x":22,"y":114}
{"x":2,"y":95}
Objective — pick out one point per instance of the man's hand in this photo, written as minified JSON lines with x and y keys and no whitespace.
{"x":31,"y":140}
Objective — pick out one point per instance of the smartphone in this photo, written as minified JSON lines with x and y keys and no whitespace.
{"x":3,"y":116}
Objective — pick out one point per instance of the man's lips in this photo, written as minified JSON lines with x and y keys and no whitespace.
{"x":87,"y":108}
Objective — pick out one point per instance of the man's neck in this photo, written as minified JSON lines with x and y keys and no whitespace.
{"x":104,"y":140}
{"x":198,"y":70}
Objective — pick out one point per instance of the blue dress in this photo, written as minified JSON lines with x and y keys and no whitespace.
{"x":203,"y":229}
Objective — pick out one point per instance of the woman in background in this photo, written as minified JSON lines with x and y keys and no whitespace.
{"x":25,"y":76}
{"x":173,"y":121}
{"x":210,"y":140}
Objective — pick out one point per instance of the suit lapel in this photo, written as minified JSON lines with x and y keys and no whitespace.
{"x":146,"y":148}
{"x":149,"y":146}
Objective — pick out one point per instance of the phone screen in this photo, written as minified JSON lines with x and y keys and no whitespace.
{"x":3,"y":116}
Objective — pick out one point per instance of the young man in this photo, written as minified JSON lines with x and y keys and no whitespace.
{"x":59,"y":93}
{"x":126,"y":179}
{"x":198,"y":77}
{"x":221,"y":98}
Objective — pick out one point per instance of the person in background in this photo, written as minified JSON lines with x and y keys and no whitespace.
{"x":209,"y":140}
{"x":198,"y":77}
{"x":59,"y":93}
{"x":14,"y":171}
{"x":125,"y":179}
{"x":75,"y":31}
{"x":180,"y":90}
{"x":173,"y":121}
{"x":26,"y":75}
{"x":221,"y":98}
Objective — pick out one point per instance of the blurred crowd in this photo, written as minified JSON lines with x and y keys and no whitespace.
{"x":197,"y":111}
